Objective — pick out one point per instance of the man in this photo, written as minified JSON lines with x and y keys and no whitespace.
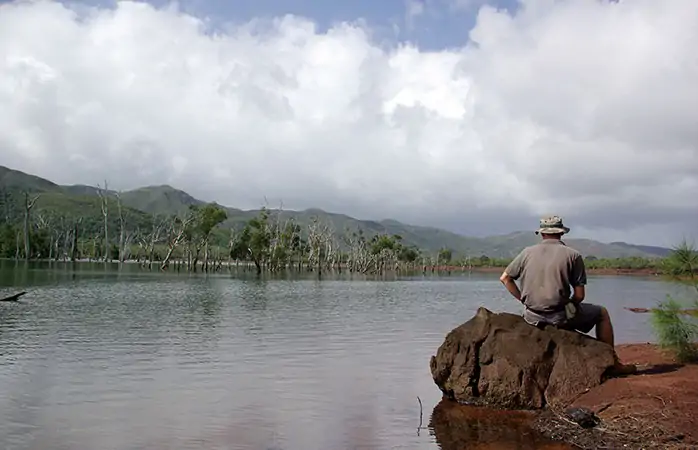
{"x":553,"y":279}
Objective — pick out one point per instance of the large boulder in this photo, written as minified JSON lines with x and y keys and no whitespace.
{"x":500,"y":360}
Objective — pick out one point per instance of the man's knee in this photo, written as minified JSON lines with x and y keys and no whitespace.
{"x":589,"y":316}
{"x":603,"y":314}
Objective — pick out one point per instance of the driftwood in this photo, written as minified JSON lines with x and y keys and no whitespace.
{"x":13,"y":298}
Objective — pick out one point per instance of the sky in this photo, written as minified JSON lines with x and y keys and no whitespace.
{"x":474,"y":116}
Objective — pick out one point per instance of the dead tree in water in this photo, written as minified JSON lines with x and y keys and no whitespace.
{"x":45,"y":223}
{"x":177,"y":231}
{"x":359,"y":255}
{"x":122,"y":226}
{"x":74,"y":239}
{"x":28,"y":205}
{"x":103,"y":195}
{"x":147,"y":241}
{"x":320,"y":245}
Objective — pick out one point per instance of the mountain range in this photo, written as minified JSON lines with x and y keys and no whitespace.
{"x":164,"y":199}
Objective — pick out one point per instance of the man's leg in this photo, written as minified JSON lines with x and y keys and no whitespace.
{"x":604,"y":328}
{"x":589,"y":316}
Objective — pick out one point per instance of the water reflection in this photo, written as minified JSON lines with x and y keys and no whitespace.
{"x":459,"y":427}
{"x":130,"y":359}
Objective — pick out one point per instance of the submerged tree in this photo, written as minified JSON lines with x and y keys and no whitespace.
{"x":205,"y":220}
{"x":254,"y":241}
{"x":176,"y":231}
{"x":28,"y":206}
{"x":104,"y":196}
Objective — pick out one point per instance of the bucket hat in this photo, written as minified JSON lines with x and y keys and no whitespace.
{"x":552,"y":225}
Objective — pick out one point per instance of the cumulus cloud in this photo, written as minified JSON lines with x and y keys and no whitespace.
{"x":588,"y":109}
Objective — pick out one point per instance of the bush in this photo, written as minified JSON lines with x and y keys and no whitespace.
{"x":674,"y":324}
{"x":676,"y":330}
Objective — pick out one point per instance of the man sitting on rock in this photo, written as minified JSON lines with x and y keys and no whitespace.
{"x":547,"y":270}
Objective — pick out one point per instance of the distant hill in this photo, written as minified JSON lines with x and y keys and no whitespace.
{"x":15,"y":180}
{"x":650,"y":249}
{"x":166,"y":200}
{"x":159,"y":200}
{"x":57,"y":203}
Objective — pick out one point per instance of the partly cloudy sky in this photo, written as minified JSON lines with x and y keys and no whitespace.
{"x":471,"y":115}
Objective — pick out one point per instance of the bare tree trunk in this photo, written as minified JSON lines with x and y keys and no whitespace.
{"x":154,"y":238}
{"x":28,"y":205}
{"x":176,"y":236}
{"x":122,"y":243}
{"x":74,"y":243}
{"x":104,"y":195}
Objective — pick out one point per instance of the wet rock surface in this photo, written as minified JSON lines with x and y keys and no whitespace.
{"x":501,"y":361}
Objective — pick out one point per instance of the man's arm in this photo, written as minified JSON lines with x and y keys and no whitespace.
{"x":511,"y":274}
{"x":511,"y":286}
{"x":578,"y":279}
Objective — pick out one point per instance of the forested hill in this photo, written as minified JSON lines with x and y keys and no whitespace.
{"x":57,"y":202}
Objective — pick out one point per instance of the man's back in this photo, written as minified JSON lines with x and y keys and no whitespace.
{"x":546,"y":271}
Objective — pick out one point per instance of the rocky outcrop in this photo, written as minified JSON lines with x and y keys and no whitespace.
{"x":500,"y":360}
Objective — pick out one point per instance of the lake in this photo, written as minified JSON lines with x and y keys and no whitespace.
{"x":99,"y":358}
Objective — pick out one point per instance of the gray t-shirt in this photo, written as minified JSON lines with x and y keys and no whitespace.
{"x":546,"y":271}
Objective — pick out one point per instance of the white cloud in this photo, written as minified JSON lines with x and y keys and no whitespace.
{"x":584,"y":108}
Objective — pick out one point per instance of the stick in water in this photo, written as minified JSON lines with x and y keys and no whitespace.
{"x":13,"y":298}
{"x":420,"y":415}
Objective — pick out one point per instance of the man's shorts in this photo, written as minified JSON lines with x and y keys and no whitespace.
{"x":586,"y":317}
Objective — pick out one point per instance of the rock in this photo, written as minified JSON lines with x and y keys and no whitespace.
{"x":500,"y":360}
{"x":584,"y":417}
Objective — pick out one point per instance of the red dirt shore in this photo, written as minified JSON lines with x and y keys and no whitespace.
{"x":635,"y":272}
{"x":655,"y":408}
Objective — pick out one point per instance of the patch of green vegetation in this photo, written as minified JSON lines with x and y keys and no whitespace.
{"x":69,"y":222}
{"x":676,"y":323}
{"x":675,"y":329}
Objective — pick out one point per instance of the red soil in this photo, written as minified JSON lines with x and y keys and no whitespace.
{"x":659,"y":405}
{"x":657,"y":408}
{"x":636,"y":272}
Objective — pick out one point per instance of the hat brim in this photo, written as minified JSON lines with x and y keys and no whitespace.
{"x":553,"y":230}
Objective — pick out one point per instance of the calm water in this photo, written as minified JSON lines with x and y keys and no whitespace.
{"x":102,"y":359}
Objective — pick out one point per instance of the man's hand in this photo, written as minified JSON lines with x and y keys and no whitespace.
{"x":511,"y":286}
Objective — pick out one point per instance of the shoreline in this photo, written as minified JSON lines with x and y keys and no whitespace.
{"x":655,"y":408}
{"x":414,"y":268}
{"x":590,"y":271}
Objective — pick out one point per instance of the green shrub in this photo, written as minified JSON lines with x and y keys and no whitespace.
{"x":682,"y":263}
{"x":676,"y":330}
{"x":675,"y":324}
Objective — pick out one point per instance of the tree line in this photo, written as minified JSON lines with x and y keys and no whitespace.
{"x":103,"y":229}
